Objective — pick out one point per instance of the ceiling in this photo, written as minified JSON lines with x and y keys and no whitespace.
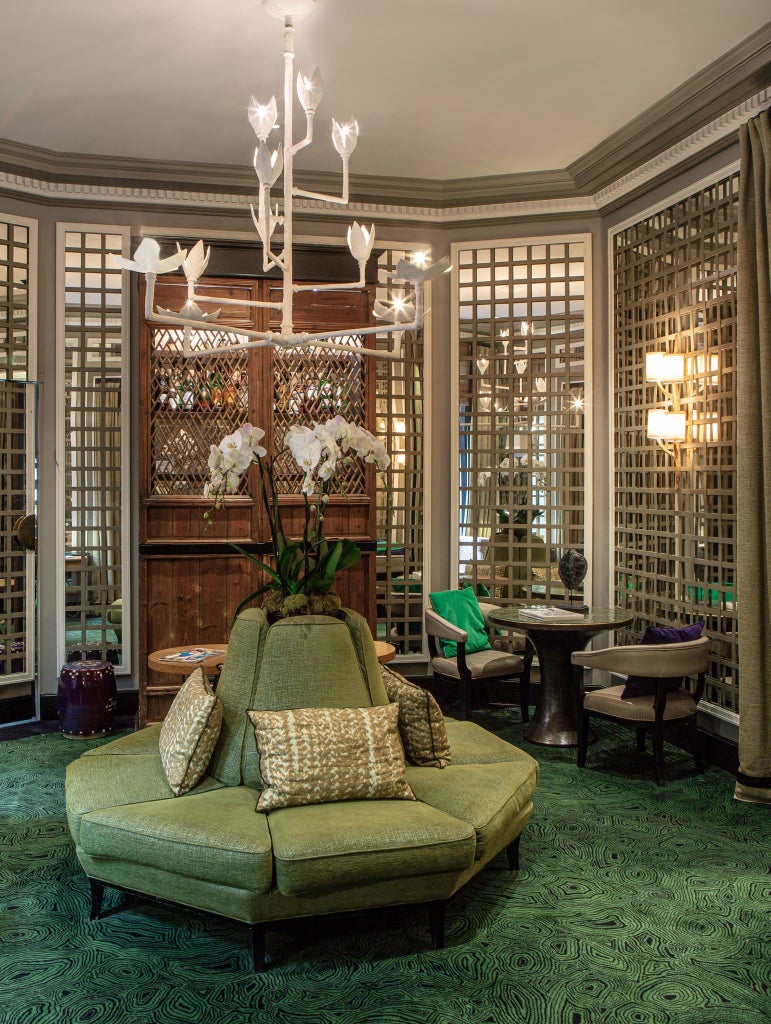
{"x":442,"y":89}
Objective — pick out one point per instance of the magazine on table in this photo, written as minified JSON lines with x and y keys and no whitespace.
{"x":193,"y":654}
{"x":548,"y":613}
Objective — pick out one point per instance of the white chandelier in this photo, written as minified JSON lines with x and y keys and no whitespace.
{"x":403,"y":313}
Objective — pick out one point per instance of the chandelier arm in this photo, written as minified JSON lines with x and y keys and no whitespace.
{"x":308,"y":134}
{"x":333,"y":286}
{"x":251,"y":303}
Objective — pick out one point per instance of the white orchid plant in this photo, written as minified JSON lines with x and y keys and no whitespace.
{"x":303,"y":573}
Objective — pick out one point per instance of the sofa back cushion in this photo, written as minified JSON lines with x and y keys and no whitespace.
{"x":236,"y":690}
{"x":302,"y":661}
{"x":310,"y":661}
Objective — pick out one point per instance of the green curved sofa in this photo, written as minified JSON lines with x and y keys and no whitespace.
{"x":211,"y":851}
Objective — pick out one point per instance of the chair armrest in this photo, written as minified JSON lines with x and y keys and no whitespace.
{"x":660,"y":661}
{"x":437,"y":626}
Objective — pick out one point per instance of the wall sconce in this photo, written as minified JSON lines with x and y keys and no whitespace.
{"x":667,"y":427}
{"x":664,"y":367}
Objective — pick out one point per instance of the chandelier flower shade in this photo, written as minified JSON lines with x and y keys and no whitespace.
{"x":403,"y":314}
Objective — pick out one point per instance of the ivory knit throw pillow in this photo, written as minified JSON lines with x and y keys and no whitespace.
{"x":189,"y":733}
{"x":421,"y":722}
{"x":322,"y":755}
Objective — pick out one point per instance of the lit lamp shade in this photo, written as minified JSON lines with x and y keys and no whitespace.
{"x":666,"y":426}
{"x":664,"y":366}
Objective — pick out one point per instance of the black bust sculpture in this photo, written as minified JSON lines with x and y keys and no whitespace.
{"x":572,"y":570}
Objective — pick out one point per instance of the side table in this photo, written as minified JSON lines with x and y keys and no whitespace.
{"x":555,"y":722}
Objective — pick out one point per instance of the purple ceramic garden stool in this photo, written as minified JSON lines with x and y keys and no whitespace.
{"x":86,"y":699}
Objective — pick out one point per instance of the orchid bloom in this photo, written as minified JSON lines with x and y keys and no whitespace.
{"x":305,"y":448}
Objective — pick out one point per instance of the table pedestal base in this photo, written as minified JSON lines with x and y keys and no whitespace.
{"x":555,"y":722}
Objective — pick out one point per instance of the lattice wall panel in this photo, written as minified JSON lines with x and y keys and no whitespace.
{"x":197,"y":402}
{"x":400,"y":424}
{"x":312,"y":387}
{"x":14,"y":606}
{"x":93,"y":393}
{"x":675,"y":290}
{"x":521,"y":374}
{"x":14,"y":300}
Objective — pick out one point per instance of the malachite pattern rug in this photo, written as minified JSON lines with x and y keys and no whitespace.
{"x":634,"y":905}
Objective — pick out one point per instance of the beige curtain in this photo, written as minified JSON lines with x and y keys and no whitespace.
{"x":754,"y":461}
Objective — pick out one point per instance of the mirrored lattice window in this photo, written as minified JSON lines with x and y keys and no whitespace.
{"x":95,"y":389}
{"x":17,"y":450}
{"x":15,"y":242}
{"x":521,"y":385}
{"x":675,"y":292}
{"x":400,"y":424}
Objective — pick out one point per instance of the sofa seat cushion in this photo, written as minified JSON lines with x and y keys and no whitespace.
{"x":94,"y":783}
{"x":323,"y":847}
{"x":471,"y":744}
{"x":214,"y":836}
{"x":143,"y":741}
{"x":489,"y":797}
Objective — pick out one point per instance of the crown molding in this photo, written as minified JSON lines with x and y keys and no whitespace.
{"x":66,"y":178}
{"x":708,"y":96}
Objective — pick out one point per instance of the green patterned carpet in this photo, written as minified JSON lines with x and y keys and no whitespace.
{"x":634,"y":904}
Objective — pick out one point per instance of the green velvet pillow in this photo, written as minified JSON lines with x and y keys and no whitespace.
{"x":461,"y":608}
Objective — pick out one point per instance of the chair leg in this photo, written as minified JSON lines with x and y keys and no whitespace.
{"x":97,"y":892}
{"x":257,"y":938}
{"x":658,"y":751}
{"x":641,"y":740}
{"x":512,"y":853}
{"x":436,"y":915}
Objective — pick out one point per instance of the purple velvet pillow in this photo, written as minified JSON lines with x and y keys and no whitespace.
{"x":645,"y":686}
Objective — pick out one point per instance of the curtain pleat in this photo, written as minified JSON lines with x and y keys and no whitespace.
{"x":754,"y":461}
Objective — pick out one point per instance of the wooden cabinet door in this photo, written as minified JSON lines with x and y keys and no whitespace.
{"x":191,"y":579}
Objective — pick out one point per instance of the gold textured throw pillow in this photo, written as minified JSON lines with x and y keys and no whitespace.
{"x":321,"y":755}
{"x":421,"y":722}
{"x":189,"y":733}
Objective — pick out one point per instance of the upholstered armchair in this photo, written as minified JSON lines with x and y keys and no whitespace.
{"x":506,"y":658}
{"x":663,"y":667}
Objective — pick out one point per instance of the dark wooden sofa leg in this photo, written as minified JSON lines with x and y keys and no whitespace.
{"x":97,"y":893}
{"x":436,"y":914}
{"x":512,"y":852}
{"x":257,"y":936}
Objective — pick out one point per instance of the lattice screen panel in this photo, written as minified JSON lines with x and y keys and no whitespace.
{"x":675,"y":290}
{"x":14,"y":607}
{"x":400,"y":423}
{"x":14,"y":300}
{"x":93,"y":415}
{"x":521,"y":309}
{"x":315,"y":386}
{"x":196,"y":403}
